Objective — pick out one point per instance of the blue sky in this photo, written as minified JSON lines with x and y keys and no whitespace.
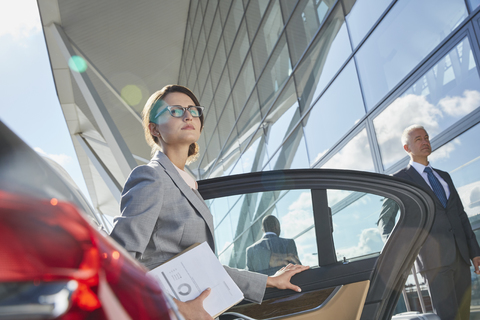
{"x":29,"y":104}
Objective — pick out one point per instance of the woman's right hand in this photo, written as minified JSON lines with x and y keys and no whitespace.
{"x":193,"y":309}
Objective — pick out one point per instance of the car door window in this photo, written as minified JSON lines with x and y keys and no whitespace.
{"x":353,"y":233}
{"x":239,"y":229}
{"x":355,"y":216}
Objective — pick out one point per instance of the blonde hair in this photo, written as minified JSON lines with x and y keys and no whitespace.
{"x":151,"y":104}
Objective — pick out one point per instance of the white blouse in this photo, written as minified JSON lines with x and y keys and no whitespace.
{"x":192,"y":183}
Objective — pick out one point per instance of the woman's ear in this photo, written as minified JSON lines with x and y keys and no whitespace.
{"x":153,"y":129}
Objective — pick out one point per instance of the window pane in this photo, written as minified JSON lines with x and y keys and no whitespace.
{"x":410,"y":31}
{"x":326,"y":55}
{"x":447,"y":92}
{"x":363,"y":16}
{"x":267,"y":36}
{"x":243,"y":86}
{"x":304,"y":24}
{"x":293,"y":154}
{"x":461,"y":158}
{"x":474,"y":4}
{"x":355,"y":155}
{"x":278,"y":129}
{"x":255,"y":11}
{"x":293,"y":218}
{"x":233,"y":21}
{"x":274,"y":76}
{"x":335,"y":113}
{"x":238,"y":53}
{"x":355,"y":217}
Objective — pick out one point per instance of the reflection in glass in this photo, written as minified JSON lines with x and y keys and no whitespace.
{"x":474,"y":4}
{"x":355,"y":155}
{"x":363,"y":16}
{"x":292,"y":154}
{"x":461,"y":159}
{"x":295,"y":213}
{"x":447,"y":92}
{"x":293,"y":210}
{"x":405,"y":36}
{"x":304,"y":23}
{"x":275,"y":75}
{"x":339,"y":108}
{"x":326,"y":55}
{"x":231,"y":25}
{"x":354,"y":224}
{"x":267,"y":36}
{"x":277,"y":130}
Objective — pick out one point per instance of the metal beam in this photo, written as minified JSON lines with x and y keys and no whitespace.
{"x":112,"y":184}
{"x":108,"y":129}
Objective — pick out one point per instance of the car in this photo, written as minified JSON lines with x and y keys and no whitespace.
{"x":325,"y":212}
{"x":57,"y":263}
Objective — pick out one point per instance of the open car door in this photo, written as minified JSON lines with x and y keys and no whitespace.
{"x":332,"y":217}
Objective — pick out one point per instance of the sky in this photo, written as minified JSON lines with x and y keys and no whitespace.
{"x":29,"y":104}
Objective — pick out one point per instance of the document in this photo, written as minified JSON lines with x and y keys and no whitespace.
{"x":188,"y":274}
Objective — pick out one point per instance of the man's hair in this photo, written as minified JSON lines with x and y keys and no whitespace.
{"x":271,"y":224}
{"x":407,"y":131}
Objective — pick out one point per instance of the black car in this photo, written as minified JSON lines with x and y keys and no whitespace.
{"x":330,"y":214}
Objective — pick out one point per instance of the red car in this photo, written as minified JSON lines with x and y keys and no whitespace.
{"x":55,"y":263}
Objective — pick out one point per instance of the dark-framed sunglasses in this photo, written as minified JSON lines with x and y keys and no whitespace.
{"x":178,"y":111}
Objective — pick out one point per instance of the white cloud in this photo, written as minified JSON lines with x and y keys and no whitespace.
{"x":355,"y":155}
{"x":444,"y":152}
{"x":370,"y":241}
{"x":404,"y":111}
{"x":319,"y":155}
{"x":19,"y":18}
{"x":299,"y":216}
{"x":61,"y":159}
{"x":460,"y":106}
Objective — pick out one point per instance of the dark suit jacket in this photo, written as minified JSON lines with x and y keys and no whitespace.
{"x":451,"y":229}
{"x":258,"y":254}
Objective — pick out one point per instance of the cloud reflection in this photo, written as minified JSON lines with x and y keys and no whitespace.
{"x":460,"y":106}
{"x":370,"y":241}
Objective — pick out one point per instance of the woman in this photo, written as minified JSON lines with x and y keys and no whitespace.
{"x":162,"y":211}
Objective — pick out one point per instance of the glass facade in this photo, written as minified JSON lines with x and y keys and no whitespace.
{"x":330,"y":84}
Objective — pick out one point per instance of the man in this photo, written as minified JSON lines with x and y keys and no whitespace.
{"x":444,"y":259}
{"x":271,"y":253}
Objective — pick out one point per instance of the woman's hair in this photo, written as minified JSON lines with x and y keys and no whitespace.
{"x":153,"y":104}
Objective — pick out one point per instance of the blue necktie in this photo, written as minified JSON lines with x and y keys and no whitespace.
{"x":436,"y":186}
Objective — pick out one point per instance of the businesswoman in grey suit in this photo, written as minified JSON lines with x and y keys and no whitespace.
{"x":162,"y":211}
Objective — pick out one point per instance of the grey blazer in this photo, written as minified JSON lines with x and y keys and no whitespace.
{"x":451,"y":229}
{"x":162,"y":216}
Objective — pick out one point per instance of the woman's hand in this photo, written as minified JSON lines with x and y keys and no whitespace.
{"x":193,"y":309}
{"x":281,"y":279}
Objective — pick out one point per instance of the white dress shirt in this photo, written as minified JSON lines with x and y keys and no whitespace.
{"x":420,"y":169}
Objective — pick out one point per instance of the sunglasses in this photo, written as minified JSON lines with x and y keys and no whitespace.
{"x":178,"y":111}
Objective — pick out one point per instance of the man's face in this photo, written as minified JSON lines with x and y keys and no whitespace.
{"x":418,"y":145}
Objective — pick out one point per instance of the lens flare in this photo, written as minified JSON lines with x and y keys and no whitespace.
{"x":77,"y":64}
{"x":131,"y":94}
{"x":53,"y":202}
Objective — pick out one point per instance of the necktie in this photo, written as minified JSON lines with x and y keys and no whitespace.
{"x":436,"y":186}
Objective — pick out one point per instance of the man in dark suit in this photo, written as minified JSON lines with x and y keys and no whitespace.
{"x":271,"y":253}
{"x":444,"y":259}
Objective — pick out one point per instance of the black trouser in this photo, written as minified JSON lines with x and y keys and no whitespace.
{"x":450,"y":290}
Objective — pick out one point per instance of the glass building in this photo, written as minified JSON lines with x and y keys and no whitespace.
{"x":305,"y":84}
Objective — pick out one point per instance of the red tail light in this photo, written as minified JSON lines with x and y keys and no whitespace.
{"x":48,"y":242}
